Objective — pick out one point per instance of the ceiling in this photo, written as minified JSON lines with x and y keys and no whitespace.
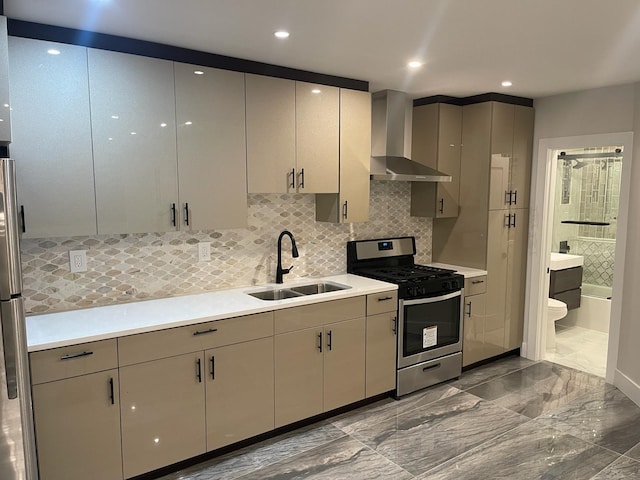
{"x":544,"y":47}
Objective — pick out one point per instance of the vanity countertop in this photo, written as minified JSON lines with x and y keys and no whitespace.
{"x":52,"y":330}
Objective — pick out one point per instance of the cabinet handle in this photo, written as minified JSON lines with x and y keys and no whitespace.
{"x":384,"y":299}
{"x":173,"y":214}
{"x":213,"y":367}
{"x":111,"y":395}
{"x":507,"y":197}
{"x":515,"y":197}
{"x":329,"y":340}
{"x":507,"y":220}
{"x":345,"y":209}
{"x":71,"y":356}
{"x":204,"y":332}
{"x":469,"y":312}
{"x":199,"y":370}
{"x":186,"y":214}
{"x":514,"y":221}
{"x":430,"y":367}
{"x":476,"y":282}
{"x":292,"y":185}
{"x":320,"y":342}
{"x":394,"y":321}
{"x":301,"y":178}
{"x":24,"y":224}
{"x":442,"y":205}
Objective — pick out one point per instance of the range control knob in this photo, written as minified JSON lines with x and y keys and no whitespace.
{"x":445,"y":286}
{"x":454,"y":284}
{"x":411,"y":291}
{"x":422,"y":291}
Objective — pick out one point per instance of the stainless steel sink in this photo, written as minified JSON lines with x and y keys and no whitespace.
{"x":298,"y":291}
{"x":321,"y":287}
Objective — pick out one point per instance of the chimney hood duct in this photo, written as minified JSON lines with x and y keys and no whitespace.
{"x":391,"y":122}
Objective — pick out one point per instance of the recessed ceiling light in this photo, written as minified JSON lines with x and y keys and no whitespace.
{"x":133,"y":133}
{"x":53,"y":51}
{"x":163,"y":125}
{"x":188,"y":123}
{"x":198,"y":72}
{"x":115,"y":117}
{"x":282,"y":34}
{"x":506,"y":83}
{"x":316,"y":90}
{"x":414,"y":64}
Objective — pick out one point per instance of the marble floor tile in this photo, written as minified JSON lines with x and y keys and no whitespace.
{"x":351,"y":422}
{"x":490,"y":371}
{"x":345,"y":458}
{"x":537,"y":388}
{"x":425,"y":437}
{"x":605,"y":417}
{"x":622,"y":469}
{"x":634,"y":452}
{"x":529,"y":452}
{"x":254,"y":457}
{"x":580,"y":348}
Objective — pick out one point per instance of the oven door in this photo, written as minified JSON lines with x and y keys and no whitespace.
{"x":429,"y":328}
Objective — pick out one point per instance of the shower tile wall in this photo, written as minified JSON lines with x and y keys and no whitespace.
{"x":599,"y":256}
{"x":600,"y":198}
{"x":123,"y":268}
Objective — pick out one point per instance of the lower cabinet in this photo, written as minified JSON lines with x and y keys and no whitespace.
{"x":481,"y":339}
{"x":239,"y":392}
{"x":78,"y":427}
{"x":382,"y":323}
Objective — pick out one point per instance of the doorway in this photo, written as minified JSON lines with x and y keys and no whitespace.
{"x":541,"y":238}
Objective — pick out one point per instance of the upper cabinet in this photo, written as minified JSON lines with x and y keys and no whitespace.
{"x":211,"y":148}
{"x":352,"y":203}
{"x":292,"y":136}
{"x":52,"y":138}
{"x":134,"y":142}
{"x":436,"y":143}
{"x":5,"y":117}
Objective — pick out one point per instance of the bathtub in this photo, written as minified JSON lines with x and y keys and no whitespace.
{"x":594,"y":311}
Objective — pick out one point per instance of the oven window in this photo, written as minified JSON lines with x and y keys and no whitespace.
{"x":431,"y":325}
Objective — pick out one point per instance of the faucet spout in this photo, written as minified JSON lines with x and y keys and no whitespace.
{"x":294,"y":253}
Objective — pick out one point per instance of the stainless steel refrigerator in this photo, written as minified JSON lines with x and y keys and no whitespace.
{"x":17,"y":439}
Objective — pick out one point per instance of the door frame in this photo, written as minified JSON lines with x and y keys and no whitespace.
{"x":540,"y":234}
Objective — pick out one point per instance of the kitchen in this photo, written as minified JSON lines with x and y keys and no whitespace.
{"x":234,"y":251}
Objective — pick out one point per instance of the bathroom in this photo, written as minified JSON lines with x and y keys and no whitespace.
{"x":585,"y":214}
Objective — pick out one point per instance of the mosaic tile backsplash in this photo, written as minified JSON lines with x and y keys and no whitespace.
{"x":125,"y":268}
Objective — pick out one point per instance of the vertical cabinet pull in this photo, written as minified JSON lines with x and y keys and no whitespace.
{"x":173,"y":214}
{"x":320,"y":342}
{"x":442,"y":205}
{"x":394,"y":327}
{"x":199,"y":370}
{"x":345,"y":210}
{"x":292,"y":174}
{"x":329,"y":340}
{"x":111,"y":394}
{"x":301,"y":178}
{"x":515,"y":197}
{"x":469,"y":311}
{"x":513,"y":224}
{"x":213,"y":367}
{"x":22,"y":222}
{"x":186,"y":214}
{"x":507,"y":220}
{"x":507,"y":198}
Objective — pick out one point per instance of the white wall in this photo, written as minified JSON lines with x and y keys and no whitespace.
{"x":591,"y":112}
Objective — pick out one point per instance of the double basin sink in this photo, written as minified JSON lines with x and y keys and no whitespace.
{"x":298,"y":291}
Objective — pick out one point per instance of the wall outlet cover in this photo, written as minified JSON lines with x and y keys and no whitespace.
{"x":78,"y":260}
{"x":204,"y":251}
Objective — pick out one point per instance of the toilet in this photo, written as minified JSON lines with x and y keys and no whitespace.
{"x":555,"y":311}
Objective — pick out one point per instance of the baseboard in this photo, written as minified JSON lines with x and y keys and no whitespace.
{"x":627,"y":386}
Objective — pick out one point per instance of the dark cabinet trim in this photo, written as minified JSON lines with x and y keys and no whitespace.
{"x":484,"y":97}
{"x":84,"y":38}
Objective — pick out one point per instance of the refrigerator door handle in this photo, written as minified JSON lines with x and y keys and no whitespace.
{"x":9,"y":346}
{"x":10,"y":280}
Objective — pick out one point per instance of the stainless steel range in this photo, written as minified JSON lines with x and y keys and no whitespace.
{"x":430,"y":310}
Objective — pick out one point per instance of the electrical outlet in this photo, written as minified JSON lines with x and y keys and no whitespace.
{"x":78,"y":260}
{"x":204,"y":251}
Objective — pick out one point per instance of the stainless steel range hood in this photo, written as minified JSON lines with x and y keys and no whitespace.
{"x":391,"y":122}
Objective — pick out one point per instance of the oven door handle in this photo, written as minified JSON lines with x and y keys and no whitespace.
{"x":439,"y":298}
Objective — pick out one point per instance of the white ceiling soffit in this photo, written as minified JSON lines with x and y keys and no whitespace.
{"x":468,"y":47}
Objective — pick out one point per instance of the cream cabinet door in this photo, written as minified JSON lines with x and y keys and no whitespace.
{"x":240,"y":402}
{"x":516,"y":279}
{"x":163,"y":412}
{"x":77,"y":423}
{"x":522,"y":152}
{"x":52,"y":138}
{"x":497,"y":267}
{"x":449,"y":146}
{"x":473,"y":349}
{"x":211,"y":146}
{"x":298,"y":375}
{"x":134,"y":142}
{"x":344,"y":363}
{"x":271,"y":130}
{"x":381,"y":353}
{"x":5,"y":117}
{"x":317,"y":142}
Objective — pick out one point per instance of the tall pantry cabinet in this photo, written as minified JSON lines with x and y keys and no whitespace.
{"x":491,"y":230}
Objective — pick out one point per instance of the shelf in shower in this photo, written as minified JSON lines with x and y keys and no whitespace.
{"x":580,"y":222}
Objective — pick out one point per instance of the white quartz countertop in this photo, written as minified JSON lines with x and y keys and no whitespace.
{"x":468,"y":272}
{"x":52,"y":330}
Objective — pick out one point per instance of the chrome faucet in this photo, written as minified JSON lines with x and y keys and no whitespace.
{"x":294,"y":253}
